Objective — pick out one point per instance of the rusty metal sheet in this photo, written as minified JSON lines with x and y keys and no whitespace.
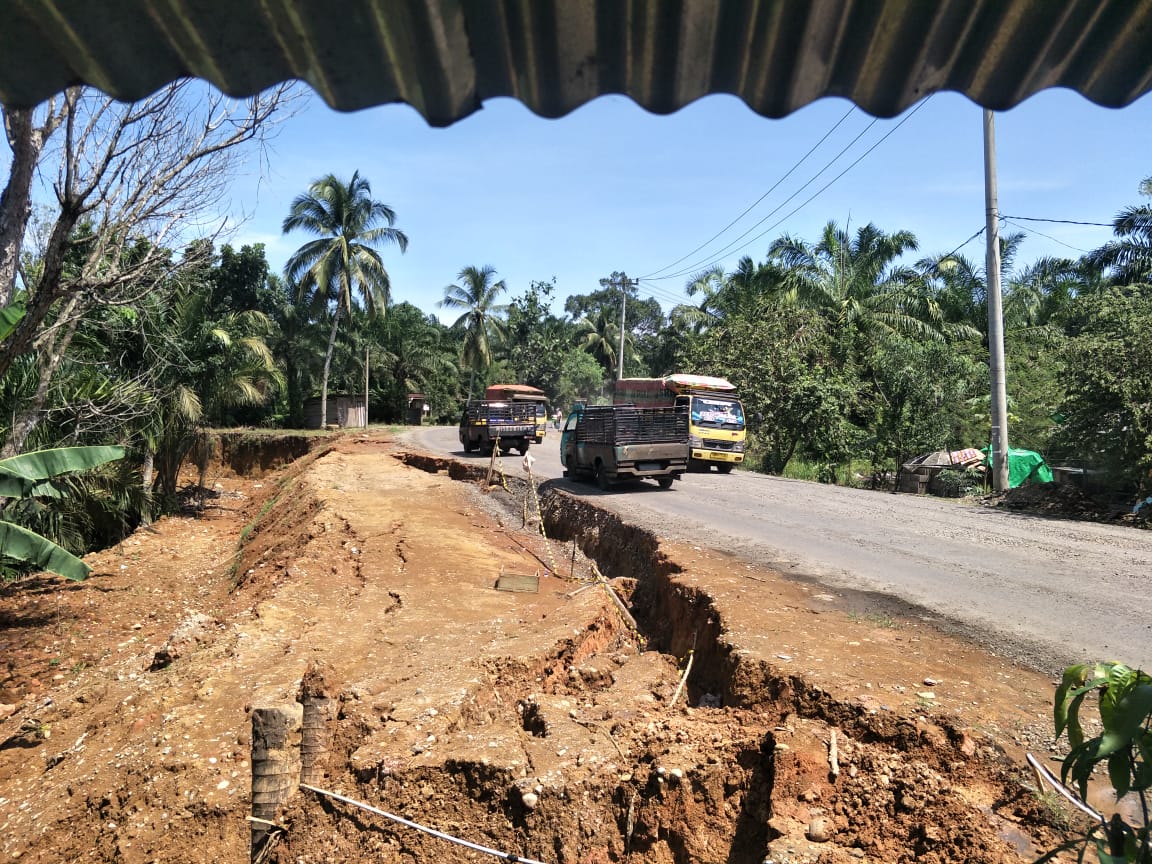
{"x":520,"y":583}
{"x":445,"y":57}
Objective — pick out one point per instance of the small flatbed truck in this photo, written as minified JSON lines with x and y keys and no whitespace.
{"x":484,"y":422}
{"x":612,"y":443}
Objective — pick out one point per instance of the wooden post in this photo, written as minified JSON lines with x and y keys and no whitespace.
{"x":275,"y":766}
{"x":316,"y":725}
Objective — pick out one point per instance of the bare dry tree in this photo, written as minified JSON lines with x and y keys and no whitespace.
{"x":133,"y":181}
{"x":27,"y":140}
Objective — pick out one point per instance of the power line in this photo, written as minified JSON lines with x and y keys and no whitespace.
{"x":702,"y":265}
{"x":676,"y":301}
{"x":772,"y":189}
{"x":1027,"y":230}
{"x":1060,"y":221}
{"x":728,"y":250}
{"x":948,"y":255}
{"x":662,"y":293}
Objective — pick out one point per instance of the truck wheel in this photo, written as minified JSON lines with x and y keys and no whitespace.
{"x":468,"y":445}
{"x":665,"y":482}
{"x":726,"y":468}
{"x":523,"y":448}
{"x":602,"y":478}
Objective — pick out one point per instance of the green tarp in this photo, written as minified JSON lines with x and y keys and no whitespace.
{"x":1024,"y":466}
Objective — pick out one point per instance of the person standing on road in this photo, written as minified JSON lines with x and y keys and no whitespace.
{"x":556,"y":418}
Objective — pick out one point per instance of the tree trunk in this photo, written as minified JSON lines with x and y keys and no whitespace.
{"x":146,"y":482}
{"x":27,"y":143}
{"x":317,"y":694}
{"x":295,"y":400}
{"x":327,"y":366}
{"x":50,"y":356}
{"x":471,"y":381}
{"x":46,"y":291}
{"x":16,"y":199}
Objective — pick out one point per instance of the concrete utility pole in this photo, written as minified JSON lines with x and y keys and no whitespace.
{"x":621,"y":281}
{"x":999,"y":442}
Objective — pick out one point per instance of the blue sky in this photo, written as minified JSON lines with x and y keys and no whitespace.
{"x":613,"y":187}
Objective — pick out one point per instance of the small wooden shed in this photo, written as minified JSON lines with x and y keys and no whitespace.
{"x":343,"y":411}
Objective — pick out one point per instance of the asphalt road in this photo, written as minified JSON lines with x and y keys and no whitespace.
{"x":1045,"y":591}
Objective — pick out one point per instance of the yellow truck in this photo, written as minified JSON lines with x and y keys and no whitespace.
{"x":523,"y":393}
{"x":716,"y":431}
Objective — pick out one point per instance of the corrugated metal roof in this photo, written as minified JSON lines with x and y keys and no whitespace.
{"x":444,"y":57}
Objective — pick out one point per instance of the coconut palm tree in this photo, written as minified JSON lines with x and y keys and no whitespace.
{"x":599,"y":335}
{"x":1128,"y":258}
{"x":342,"y":264}
{"x":476,"y":294}
{"x":855,"y":282}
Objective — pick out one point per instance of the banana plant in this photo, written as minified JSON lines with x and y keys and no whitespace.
{"x":30,"y":475}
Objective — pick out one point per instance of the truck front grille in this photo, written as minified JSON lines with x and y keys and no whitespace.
{"x":717,"y":444}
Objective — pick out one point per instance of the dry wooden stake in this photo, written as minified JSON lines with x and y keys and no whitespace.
{"x":316,"y":724}
{"x":683,"y":678}
{"x":629,"y":620}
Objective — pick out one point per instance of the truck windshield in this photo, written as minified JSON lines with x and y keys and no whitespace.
{"x":717,"y":413}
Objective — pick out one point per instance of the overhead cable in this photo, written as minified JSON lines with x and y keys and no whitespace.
{"x":728,"y":250}
{"x":703,"y":265}
{"x":1028,"y":230}
{"x":1061,"y":221}
{"x":771,"y":189}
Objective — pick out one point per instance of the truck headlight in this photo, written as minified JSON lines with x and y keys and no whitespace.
{"x":738,"y":447}
{"x":695,"y":441}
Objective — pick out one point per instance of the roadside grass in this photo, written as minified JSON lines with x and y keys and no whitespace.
{"x":279,"y":432}
{"x":875,"y":619}
{"x":853,"y":474}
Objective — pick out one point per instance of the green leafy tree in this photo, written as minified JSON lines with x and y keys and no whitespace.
{"x":1128,"y":258}
{"x":1108,"y":377}
{"x":599,"y":312}
{"x":724,"y":294}
{"x":298,"y":344}
{"x":342,"y":265}
{"x":599,"y":335}
{"x":535,"y":339}
{"x":475,"y":296}
{"x":414,"y":359}
{"x":581,"y":380}
{"x":780,"y":359}
{"x":921,"y":391}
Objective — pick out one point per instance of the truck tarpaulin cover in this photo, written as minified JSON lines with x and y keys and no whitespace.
{"x":698,"y":382}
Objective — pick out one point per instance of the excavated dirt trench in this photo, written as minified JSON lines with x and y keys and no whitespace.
{"x":909,"y":786}
{"x":536,"y":724}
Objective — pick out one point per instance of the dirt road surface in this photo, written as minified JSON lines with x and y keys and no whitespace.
{"x":1047,"y":591}
{"x":743,"y":717}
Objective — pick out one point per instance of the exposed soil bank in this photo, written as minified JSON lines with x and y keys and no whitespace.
{"x":249,"y":455}
{"x":533,"y":723}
